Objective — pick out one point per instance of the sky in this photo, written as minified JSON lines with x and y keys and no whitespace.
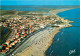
{"x":40,"y":2}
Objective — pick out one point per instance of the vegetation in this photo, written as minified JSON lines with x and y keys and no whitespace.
{"x":54,"y":26}
{"x":23,"y":12}
{"x":59,"y":22}
{"x":7,"y":12}
{"x":13,"y":12}
{"x":2,"y":19}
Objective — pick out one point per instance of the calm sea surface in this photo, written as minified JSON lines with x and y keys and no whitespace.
{"x":44,"y":8}
{"x":67,"y":41}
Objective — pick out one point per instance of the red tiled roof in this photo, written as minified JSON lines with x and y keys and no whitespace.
{"x":10,"y":45}
{"x":17,"y":34}
{"x":3,"y":45}
{"x":3,"y":51}
{"x":16,"y":40}
{"x":7,"y":47}
{"x":8,"y":42}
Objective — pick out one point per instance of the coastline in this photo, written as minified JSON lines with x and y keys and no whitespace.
{"x":39,"y":48}
{"x":55,"y":12}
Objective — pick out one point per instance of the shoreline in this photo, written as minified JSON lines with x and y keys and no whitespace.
{"x":56,"y":31}
{"x":55,"y":12}
{"x":62,"y":10}
{"x":41,"y":46}
{"x":49,"y":39}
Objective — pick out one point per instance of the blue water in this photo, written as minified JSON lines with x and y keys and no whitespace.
{"x":27,"y":8}
{"x":3,"y":32}
{"x":44,"y":8}
{"x":69,"y":38}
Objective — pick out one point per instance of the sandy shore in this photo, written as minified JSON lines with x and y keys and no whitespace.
{"x":39,"y":47}
{"x":59,"y":10}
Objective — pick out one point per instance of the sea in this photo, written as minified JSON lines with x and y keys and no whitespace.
{"x":67,"y":41}
{"x":44,"y":8}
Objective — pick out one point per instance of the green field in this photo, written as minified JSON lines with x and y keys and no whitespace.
{"x":7,"y":12}
{"x":14,"y":12}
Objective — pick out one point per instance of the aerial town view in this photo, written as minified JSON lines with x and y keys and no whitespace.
{"x":35,"y":30}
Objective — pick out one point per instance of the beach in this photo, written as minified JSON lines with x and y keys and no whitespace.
{"x":39,"y":47}
{"x":59,"y":10}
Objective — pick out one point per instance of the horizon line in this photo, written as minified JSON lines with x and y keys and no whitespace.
{"x":46,"y":5}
